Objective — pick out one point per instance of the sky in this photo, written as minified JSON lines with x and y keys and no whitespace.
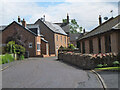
{"x":85,"y":12}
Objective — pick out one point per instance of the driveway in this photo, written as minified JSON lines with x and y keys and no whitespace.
{"x":47,"y":73}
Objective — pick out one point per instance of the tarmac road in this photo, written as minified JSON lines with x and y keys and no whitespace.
{"x":47,"y":73}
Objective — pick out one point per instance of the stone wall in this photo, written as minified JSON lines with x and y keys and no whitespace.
{"x":86,"y":61}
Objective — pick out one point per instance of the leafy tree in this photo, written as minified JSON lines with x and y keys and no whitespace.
{"x":15,"y":48}
{"x":73,"y":26}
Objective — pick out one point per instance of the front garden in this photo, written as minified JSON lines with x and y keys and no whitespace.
{"x":11,"y":52}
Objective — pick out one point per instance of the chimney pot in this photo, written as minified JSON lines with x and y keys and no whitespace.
{"x":19,"y":19}
{"x":67,"y":18}
{"x":100,"y":20}
{"x":24,"y":23}
{"x":83,"y":30}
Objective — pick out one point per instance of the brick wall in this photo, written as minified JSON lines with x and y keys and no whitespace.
{"x":29,"y":37}
{"x":87,"y":46}
{"x":95,"y":45}
{"x":59,"y":42}
{"x":115,"y":43}
{"x":50,"y":36}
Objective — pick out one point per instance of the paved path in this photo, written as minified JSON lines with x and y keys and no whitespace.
{"x":47,"y":73}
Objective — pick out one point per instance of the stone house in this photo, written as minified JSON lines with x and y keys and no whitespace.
{"x":29,"y":37}
{"x":54,"y":34}
{"x":103,"y":39}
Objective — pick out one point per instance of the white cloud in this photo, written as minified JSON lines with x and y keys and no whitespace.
{"x":85,"y":13}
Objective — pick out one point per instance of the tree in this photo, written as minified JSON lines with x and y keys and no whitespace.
{"x":73,"y":26}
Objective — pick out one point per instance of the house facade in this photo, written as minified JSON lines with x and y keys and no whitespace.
{"x":54,"y":34}
{"x":24,"y":36}
{"x":103,"y":39}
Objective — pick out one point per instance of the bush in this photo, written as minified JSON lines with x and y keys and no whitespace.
{"x":22,"y":57}
{"x":71,"y":46}
{"x":10,"y":48}
{"x":105,"y":65}
{"x":15,"y":48}
{"x":20,"y":50}
{"x":7,"y":58}
{"x":116,"y":63}
{"x":99,"y":65}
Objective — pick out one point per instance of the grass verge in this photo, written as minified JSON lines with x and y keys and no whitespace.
{"x":108,"y":68}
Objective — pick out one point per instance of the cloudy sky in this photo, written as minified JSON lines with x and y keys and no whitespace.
{"x":85,"y":12}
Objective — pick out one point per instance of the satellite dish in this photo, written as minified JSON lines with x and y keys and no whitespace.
{"x":105,"y":18}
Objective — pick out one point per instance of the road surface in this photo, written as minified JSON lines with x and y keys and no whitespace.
{"x":47,"y":73}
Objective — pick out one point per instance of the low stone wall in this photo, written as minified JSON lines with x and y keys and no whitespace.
{"x":86,"y":61}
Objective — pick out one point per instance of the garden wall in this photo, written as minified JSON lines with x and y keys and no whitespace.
{"x":86,"y":61}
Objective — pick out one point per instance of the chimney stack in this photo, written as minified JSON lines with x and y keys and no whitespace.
{"x":44,"y":17}
{"x":67,"y":18}
{"x":83,"y":30}
{"x":100,"y":20}
{"x":19,"y":19}
{"x":24,"y":23}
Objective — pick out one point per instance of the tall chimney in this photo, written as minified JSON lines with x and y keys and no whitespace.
{"x":19,"y":19}
{"x":44,"y":17}
{"x":83,"y":30}
{"x":67,"y":18}
{"x":24,"y":23}
{"x":100,"y":20}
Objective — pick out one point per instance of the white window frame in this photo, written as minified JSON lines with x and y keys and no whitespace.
{"x":39,"y":46}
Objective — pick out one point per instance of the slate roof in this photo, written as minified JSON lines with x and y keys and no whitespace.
{"x":53,"y":27}
{"x":104,"y":27}
{"x":75,"y":36}
{"x":64,"y":26}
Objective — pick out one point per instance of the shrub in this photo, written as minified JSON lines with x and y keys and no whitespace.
{"x":7,"y":58}
{"x":20,"y":50}
{"x":104,"y":65}
{"x":116,"y":63}
{"x":10,"y":48}
{"x":71,"y":46}
{"x":22,"y":57}
{"x":99,"y":65}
